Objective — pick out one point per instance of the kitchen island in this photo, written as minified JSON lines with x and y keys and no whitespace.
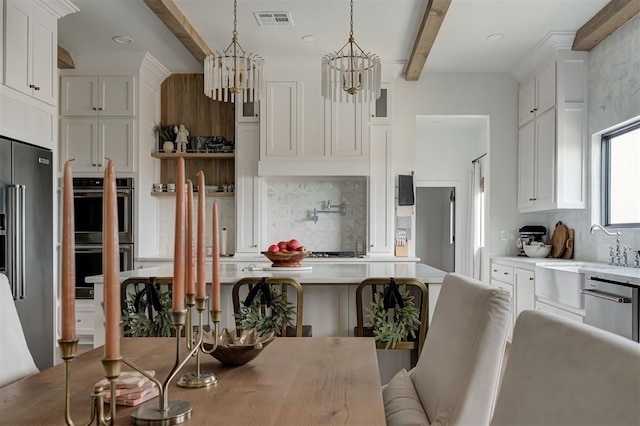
{"x":329,"y":291}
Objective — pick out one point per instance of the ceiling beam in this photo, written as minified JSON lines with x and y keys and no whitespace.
{"x":65,"y":61}
{"x":431,"y":22}
{"x":179,"y":25}
{"x":608,"y":20}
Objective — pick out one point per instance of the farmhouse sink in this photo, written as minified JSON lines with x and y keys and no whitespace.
{"x":561,"y":284}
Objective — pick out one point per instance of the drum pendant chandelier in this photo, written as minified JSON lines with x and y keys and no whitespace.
{"x":350,"y":74}
{"x":234,"y":72}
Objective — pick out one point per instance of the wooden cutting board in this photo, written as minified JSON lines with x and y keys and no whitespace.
{"x":559,"y":239}
{"x":568,"y":252}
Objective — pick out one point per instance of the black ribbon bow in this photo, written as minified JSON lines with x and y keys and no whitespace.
{"x":153,"y":298}
{"x":265,"y":294}
{"x":392,"y":296}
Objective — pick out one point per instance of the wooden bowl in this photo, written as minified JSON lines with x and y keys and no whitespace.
{"x":234,"y":350}
{"x":290,"y":259}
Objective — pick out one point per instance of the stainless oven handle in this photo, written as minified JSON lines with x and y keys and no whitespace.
{"x":605,"y":296}
{"x":87,"y":192}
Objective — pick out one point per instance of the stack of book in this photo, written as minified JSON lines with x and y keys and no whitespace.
{"x":132,"y":388}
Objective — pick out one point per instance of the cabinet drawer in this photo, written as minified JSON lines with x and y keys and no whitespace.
{"x":84,"y":322}
{"x":502,"y":273}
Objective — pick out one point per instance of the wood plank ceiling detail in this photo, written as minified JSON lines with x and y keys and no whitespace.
{"x":65,"y":61}
{"x":431,"y":22}
{"x":171,"y":15}
{"x":609,"y":19}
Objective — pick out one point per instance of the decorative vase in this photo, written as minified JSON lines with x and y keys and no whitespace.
{"x":167,"y":146}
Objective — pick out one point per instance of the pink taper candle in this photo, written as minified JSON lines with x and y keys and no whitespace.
{"x":111,"y":264}
{"x":200,"y":275}
{"x":179,"y":241}
{"x":68,"y":258}
{"x":190,"y":286}
{"x":215,"y":276}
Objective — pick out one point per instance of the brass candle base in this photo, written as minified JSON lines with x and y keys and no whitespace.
{"x":176,"y":412}
{"x":195,"y":380}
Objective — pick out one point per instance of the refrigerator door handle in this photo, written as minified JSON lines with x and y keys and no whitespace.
{"x":22,"y":237}
{"x":16,"y":239}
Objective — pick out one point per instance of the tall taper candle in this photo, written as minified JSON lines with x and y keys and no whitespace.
{"x":179,"y":241}
{"x":190,"y":286}
{"x":111,"y":264}
{"x":202,"y":230}
{"x":215,"y":276}
{"x":68,"y":258}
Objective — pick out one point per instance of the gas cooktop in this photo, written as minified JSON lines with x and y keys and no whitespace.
{"x":328,"y":254}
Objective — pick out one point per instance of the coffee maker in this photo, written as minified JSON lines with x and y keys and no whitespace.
{"x":530,"y":234}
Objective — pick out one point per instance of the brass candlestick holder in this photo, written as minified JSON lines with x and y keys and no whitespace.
{"x":112,"y":367}
{"x":164,"y":412}
{"x":198,"y":379}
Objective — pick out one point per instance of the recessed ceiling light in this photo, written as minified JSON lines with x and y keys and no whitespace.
{"x":310,"y":38}
{"x":122,"y":39}
{"x":495,"y":37}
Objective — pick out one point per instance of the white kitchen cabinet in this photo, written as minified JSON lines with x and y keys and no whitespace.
{"x":536,"y":159}
{"x":552,"y":157}
{"x":380,"y":109}
{"x":381,"y":200}
{"x":107,"y":96}
{"x":247,"y":188}
{"x":538,"y":94}
{"x":302,"y":133}
{"x":90,"y":140}
{"x":31,"y":43}
{"x":84,"y":321}
{"x":525,"y":290}
{"x":503,"y":277}
{"x":281,"y":133}
{"x":548,"y":306}
{"x":247,"y":112}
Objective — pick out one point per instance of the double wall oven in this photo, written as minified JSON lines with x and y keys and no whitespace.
{"x":88,"y":197}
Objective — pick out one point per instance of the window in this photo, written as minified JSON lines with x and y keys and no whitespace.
{"x":621,"y":177}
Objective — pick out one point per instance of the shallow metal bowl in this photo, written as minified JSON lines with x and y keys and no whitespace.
{"x":237,"y":350}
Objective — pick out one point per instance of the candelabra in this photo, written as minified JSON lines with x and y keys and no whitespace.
{"x":68,"y":349}
{"x":198,"y":379}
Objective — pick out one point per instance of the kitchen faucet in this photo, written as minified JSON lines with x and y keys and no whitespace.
{"x":614,"y":259}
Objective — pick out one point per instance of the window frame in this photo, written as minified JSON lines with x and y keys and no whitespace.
{"x":605,"y":181}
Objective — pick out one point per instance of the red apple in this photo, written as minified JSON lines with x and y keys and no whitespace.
{"x":293,"y":245}
{"x":282,"y":245}
{"x":273,"y":248}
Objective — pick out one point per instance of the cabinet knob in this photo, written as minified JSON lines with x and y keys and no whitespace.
{"x":93,"y":164}
{"x":535,"y":109}
{"x":255,"y":115}
{"x":94,"y":108}
{"x":506,"y":273}
{"x":31,"y":86}
{"x":531,"y":278}
{"x":36,"y":87}
{"x":532,"y":111}
{"x":100,"y":109}
{"x":495,"y":270}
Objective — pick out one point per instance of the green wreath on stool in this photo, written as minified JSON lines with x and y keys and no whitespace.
{"x":393,"y":315}
{"x":278,"y":310}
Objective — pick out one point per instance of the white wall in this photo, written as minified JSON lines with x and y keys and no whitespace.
{"x":492,"y":95}
{"x":614,"y":97}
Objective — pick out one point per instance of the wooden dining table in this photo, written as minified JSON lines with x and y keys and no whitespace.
{"x":294,"y":381}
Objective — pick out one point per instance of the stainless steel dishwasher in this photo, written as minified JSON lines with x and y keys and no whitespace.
{"x":611,"y":306}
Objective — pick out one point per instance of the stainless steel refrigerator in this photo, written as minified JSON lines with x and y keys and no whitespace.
{"x":26,"y":241}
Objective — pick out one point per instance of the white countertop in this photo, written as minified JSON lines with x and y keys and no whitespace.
{"x":622,"y":274}
{"x":320,"y":273}
{"x":262,"y":259}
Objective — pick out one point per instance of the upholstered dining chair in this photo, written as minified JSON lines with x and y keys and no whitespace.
{"x":456,"y":379}
{"x":370,"y":286}
{"x":146,"y":307}
{"x":251,"y":287}
{"x":562,"y":372}
{"x":16,"y":361}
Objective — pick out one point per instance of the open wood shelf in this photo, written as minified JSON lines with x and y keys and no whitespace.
{"x":189,"y":155}
{"x":195,"y":194}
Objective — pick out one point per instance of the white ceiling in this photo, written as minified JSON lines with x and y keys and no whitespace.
{"x":385,"y":27}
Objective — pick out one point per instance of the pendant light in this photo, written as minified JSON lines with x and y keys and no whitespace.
{"x":234,"y":72}
{"x":351,"y":74}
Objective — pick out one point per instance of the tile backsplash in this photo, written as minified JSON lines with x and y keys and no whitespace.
{"x":290,"y":204}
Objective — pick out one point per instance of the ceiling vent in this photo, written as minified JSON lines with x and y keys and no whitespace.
{"x":274,"y":19}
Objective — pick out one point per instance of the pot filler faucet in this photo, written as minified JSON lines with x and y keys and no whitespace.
{"x":615,"y":257}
